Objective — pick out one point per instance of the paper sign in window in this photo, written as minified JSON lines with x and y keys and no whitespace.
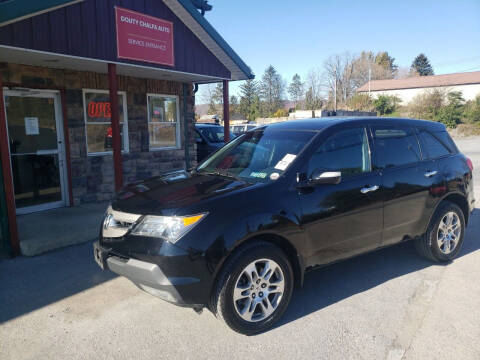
{"x":31,"y":126}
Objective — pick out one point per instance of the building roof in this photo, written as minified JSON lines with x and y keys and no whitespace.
{"x":15,"y":10}
{"x":191,"y":17}
{"x":81,"y":37}
{"x":423,"y":82}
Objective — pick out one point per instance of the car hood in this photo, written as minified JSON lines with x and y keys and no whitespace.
{"x":175,"y":193}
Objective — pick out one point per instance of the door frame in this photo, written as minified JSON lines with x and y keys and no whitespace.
{"x":62,"y":161}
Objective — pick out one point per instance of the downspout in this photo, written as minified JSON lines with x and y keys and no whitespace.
{"x":185,"y":127}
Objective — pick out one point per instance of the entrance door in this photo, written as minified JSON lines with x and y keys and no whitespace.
{"x":35,"y":135}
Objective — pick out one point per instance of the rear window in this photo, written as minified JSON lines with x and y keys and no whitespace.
{"x":395,"y":146}
{"x":436,"y":144}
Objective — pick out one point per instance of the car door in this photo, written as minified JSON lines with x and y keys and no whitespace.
{"x":408,"y":179}
{"x":344,"y":219}
{"x":202,"y":146}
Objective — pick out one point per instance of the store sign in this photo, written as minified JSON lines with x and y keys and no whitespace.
{"x":99,"y":109}
{"x":144,"y":38}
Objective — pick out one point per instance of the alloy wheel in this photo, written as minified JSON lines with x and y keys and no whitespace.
{"x":449,"y":231}
{"x":258,"y":290}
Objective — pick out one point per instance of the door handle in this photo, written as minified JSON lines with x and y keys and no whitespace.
{"x":369,"y":189}
{"x":429,"y":174}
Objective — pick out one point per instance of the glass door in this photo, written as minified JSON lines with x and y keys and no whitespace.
{"x":36,"y":149}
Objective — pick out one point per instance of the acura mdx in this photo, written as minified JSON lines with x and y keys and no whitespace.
{"x":237,"y":233}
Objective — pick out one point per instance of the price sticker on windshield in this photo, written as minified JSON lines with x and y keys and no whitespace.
{"x":283,"y":164}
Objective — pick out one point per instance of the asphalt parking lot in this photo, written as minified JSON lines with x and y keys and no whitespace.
{"x":390,"y":304}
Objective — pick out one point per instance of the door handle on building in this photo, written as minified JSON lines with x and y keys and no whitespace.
{"x":429,"y":174}
{"x":369,"y":189}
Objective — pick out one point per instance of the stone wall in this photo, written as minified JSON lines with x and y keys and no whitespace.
{"x":93,"y":176}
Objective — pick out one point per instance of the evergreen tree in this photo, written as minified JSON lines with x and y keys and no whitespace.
{"x":387,"y":62}
{"x":422,"y":66}
{"x":271,"y":90}
{"x":295,"y":89}
{"x":248,"y":96}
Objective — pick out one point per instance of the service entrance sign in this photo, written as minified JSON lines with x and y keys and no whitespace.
{"x":144,"y":38}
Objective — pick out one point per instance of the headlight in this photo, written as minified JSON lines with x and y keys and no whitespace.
{"x":170,"y":228}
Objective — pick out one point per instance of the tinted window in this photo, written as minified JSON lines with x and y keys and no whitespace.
{"x":214,"y":134}
{"x":259,"y":156}
{"x":346,"y":151}
{"x":395,"y":146}
{"x":436,"y":144}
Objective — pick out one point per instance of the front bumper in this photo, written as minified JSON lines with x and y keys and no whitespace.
{"x":150,"y":277}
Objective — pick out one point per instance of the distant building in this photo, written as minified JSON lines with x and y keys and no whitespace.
{"x":406,"y":89}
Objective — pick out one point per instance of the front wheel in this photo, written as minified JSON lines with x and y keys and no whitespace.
{"x":444,"y":237}
{"x":254,"y":288}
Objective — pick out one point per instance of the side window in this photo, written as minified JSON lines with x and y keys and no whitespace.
{"x":435,"y":144}
{"x":346,"y":151}
{"x":395,"y":146}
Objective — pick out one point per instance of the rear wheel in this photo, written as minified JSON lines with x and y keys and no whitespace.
{"x":254,"y":288}
{"x":444,"y":237}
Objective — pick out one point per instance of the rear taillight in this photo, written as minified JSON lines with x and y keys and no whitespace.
{"x":470,"y":164}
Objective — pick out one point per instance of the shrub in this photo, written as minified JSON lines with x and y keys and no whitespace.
{"x":361,"y":102}
{"x":428,"y":104}
{"x":281,"y":113}
{"x":386,"y":104}
{"x":472,"y":111}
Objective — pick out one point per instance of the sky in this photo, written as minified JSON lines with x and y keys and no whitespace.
{"x":298,"y":35}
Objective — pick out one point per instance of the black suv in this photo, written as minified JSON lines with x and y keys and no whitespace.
{"x":238,"y":233}
{"x":209,"y":138}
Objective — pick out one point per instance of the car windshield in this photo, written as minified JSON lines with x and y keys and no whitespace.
{"x":258,"y":156}
{"x":214,"y":134}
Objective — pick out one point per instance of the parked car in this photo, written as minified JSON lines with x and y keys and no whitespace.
{"x":242,"y":128}
{"x":209,"y":138}
{"x":238,"y":233}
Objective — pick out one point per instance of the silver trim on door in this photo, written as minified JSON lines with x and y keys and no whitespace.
{"x":369,"y":189}
{"x":429,"y":174}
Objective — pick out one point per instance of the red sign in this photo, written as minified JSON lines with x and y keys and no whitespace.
{"x":145,"y":38}
{"x":99,"y":109}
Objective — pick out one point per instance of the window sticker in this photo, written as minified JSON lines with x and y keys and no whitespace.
{"x":283,"y":164}
{"x":274,"y":176}
{"x":260,"y":175}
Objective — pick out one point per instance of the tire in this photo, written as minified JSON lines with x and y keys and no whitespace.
{"x":235,"y":290}
{"x":430,"y":246}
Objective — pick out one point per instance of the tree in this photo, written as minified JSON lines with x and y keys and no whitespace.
{"x":295,"y":89}
{"x":339,"y":77}
{"x":233,"y":105}
{"x":313,"y":96}
{"x":249,"y":103}
{"x":271,"y":90}
{"x":213,"y":96}
{"x":387,"y":64}
{"x":422,"y":65}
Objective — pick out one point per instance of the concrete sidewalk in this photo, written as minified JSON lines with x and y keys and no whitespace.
{"x":47,"y":230}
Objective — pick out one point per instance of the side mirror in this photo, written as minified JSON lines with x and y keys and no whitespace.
{"x":325,"y":177}
{"x":199,"y":140}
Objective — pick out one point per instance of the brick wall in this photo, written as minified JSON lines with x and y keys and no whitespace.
{"x":93,"y":176}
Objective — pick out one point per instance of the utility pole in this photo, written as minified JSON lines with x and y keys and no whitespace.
{"x":369,"y":77}
{"x":335,"y":91}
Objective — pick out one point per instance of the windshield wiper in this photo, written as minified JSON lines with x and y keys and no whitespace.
{"x":222,"y":173}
